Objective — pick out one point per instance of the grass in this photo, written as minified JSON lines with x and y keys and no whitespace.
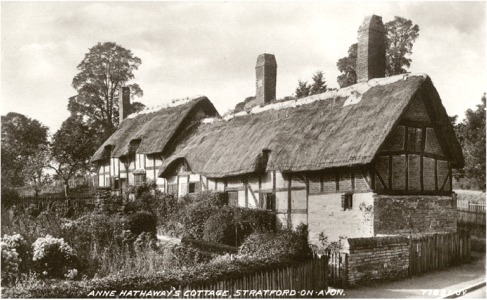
{"x":470,"y":195}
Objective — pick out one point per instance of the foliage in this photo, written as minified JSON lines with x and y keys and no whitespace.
{"x":303,"y":89}
{"x":471,"y":135}
{"x":400,"y":36}
{"x":22,"y":138}
{"x":283,"y":245}
{"x":18,"y":243}
{"x":318,"y":86}
{"x":142,"y":222}
{"x":319,"y":83}
{"x":324,"y":246}
{"x":9,"y":197}
{"x":10,"y":263}
{"x":72,"y":147}
{"x":103,"y":70}
{"x":347,"y":67}
{"x":220,"y":228}
{"x":53,"y":257}
{"x":193,"y":218}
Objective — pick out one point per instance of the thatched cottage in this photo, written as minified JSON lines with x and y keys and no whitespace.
{"x":373,"y":158}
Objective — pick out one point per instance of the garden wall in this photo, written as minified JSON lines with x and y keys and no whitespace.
{"x":414,"y":214}
{"x":377,"y":258}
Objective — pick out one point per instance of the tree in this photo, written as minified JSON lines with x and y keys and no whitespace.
{"x":72,"y":147}
{"x":34,"y":166}
{"x":471,"y":135}
{"x":400,"y":37}
{"x":319,"y":83}
{"x":346,"y":65}
{"x":303,"y":89}
{"x":104,"y":69}
{"x":22,"y":139}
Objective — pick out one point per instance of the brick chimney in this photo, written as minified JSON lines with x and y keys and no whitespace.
{"x":371,"y":52}
{"x":266,"y":72}
{"x":123,"y":103}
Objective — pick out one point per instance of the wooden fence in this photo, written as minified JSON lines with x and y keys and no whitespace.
{"x":437,"y":251}
{"x":56,"y":202}
{"x":308,"y":276}
{"x":470,"y":212}
{"x":337,"y":269}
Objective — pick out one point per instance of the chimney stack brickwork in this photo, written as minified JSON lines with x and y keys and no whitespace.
{"x":123,"y":103}
{"x":371,"y":52}
{"x":266,"y":73}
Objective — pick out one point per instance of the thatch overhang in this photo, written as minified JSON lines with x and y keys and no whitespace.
{"x":333,"y":129}
{"x":151,"y":131}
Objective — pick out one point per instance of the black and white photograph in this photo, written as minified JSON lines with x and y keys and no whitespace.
{"x":243,"y":149}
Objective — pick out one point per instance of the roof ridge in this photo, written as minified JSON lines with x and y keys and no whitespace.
{"x":156,"y":108}
{"x":353,"y":94}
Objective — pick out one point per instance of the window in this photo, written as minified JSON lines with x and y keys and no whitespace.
{"x":347,"y":201}
{"x":115,"y":184}
{"x":192,"y":188}
{"x":232,"y":197}
{"x":268,"y":201}
{"x":139,"y":179}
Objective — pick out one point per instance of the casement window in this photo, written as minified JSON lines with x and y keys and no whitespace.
{"x":139,"y":179}
{"x":347,"y":201}
{"x":232,"y":198}
{"x":115,"y":183}
{"x":268,"y":201}
{"x":192,"y":188}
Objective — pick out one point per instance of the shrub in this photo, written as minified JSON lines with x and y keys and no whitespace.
{"x":284,"y":245}
{"x":220,"y":227}
{"x":193,"y":217}
{"x":210,"y":198}
{"x":53,"y":257}
{"x":142,"y":222}
{"x":9,"y":197}
{"x":10,"y":263}
{"x":232,"y":225}
{"x":18,"y":243}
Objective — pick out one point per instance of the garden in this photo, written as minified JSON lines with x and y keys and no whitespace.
{"x":151,"y":242}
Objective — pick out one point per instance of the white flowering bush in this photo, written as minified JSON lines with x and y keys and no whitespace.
{"x":18,"y":243}
{"x":10,"y":263}
{"x":53,"y":257}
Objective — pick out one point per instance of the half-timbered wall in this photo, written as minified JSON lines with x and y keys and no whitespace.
{"x":411,"y":160}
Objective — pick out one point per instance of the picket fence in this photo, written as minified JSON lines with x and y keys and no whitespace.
{"x":309,"y":276}
{"x":470,"y":212}
{"x":437,"y":251}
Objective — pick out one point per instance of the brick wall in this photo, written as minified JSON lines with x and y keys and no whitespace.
{"x":377,"y":258}
{"x":414,"y":214}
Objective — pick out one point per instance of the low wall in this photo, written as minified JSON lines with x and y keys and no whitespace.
{"x":377,"y":258}
{"x":414,"y":214}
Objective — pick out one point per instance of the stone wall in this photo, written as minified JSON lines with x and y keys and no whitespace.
{"x":377,"y":258}
{"x":414,"y":214}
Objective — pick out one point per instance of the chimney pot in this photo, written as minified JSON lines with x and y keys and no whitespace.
{"x":371,"y":52}
{"x":266,"y":73}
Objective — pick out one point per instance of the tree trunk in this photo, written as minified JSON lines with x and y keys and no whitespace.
{"x":66,"y":188}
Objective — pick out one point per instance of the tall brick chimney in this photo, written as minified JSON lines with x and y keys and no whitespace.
{"x":371,"y":52}
{"x":123,"y":103}
{"x":266,"y":73}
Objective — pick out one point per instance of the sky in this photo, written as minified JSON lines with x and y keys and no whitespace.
{"x":210,"y":48}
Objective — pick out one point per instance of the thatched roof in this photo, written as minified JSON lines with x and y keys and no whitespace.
{"x":152,"y":130}
{"x":334,"y":129}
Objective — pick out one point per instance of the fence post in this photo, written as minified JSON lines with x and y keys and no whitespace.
{"x":325,"y":259}
{"x":345,"y":270}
